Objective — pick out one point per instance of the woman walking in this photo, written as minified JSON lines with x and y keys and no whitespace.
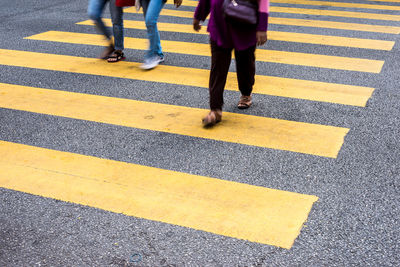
{"x":151,"y":11}
{"x":226,"y":36}
{"x":113,"y":52}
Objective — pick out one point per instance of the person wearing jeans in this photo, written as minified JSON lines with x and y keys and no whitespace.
{"x":113,"y":52}
{"x":225,"y":37}
{"x":151,"y":11}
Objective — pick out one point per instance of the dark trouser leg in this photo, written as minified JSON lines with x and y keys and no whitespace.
{"x":245,"y":69}
{"x":220,"y":62}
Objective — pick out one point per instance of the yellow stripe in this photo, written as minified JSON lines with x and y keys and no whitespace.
{"x":176,"y":47}
{"x":336,"y":4}
{"x":299,"y":22}
{"x":334,"y":13}
{"x":302,"y":89}
{"x":300,"y":137}
{"x":330,"y":40}
{"x":392,"y":1}
{"x":316,"y":3}
{"x":274,"y":56}
{"x":232,"y":209}
{"x":272,"y":35}
{"x":336,"y":25}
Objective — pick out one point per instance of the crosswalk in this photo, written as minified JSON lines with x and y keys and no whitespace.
{"x":232,"y":209}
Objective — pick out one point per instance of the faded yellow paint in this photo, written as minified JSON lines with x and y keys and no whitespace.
{"x":282,"y":57}
{"x":284,"y":87}
{"x":232,"y":209}
{"x":293,"y":136}
{"x":305,"y":23}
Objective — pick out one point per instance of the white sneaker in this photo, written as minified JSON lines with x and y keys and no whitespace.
{"x":151,"y":63}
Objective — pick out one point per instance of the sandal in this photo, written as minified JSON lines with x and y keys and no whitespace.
{"x":212,"y":118}
{"x":107,"y":52}
{"x":244,"y":102}
{"x":116,"y":56}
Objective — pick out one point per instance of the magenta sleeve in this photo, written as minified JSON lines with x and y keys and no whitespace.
{"x":202,"y":10}
{"x":262,"y":22}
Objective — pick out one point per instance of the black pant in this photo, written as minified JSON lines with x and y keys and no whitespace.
{"x":220,"y":62}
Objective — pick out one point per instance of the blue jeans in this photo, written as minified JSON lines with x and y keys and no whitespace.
{"x":95,"y":10}
{"x":151,"y":11}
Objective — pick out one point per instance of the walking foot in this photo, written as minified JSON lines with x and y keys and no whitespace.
{"x":116,"y":56}
{"x":244,"y":102}
{"x":107,"y":52}
{"x":212,"y":118}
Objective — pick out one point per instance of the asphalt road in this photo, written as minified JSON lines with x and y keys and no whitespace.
{"x":355,"y":221}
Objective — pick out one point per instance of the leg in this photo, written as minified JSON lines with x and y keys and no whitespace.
{"x":145,"y":5}
{"x":245,"y":69}
{"x":220,"y":62}
{"x":95,"y":10}
{"x":118,"y":27}
{"x":152,"y":11}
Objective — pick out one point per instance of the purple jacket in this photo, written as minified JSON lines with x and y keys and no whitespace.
{"x":223,"y":33}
